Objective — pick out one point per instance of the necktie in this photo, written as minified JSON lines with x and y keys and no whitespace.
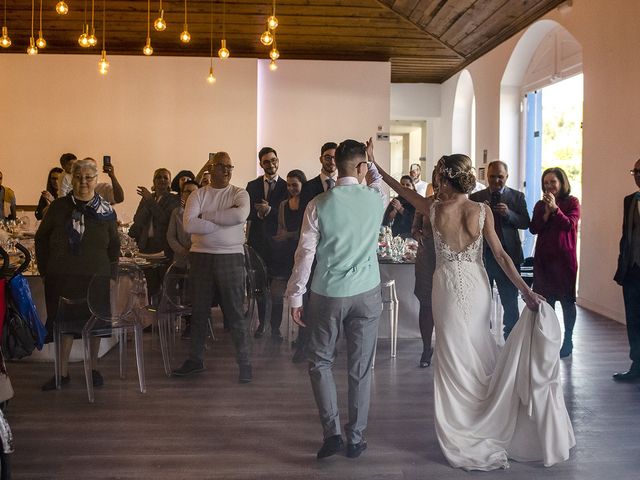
{"x":272,"y":185}
{"x":330,"y":183}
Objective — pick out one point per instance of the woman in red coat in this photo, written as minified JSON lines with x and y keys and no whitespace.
{"x":555,"y":221}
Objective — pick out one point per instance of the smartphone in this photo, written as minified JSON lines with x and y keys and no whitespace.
{"x":211,"y":155}
{"x":106,"y":161}
{"x":495,"y":198}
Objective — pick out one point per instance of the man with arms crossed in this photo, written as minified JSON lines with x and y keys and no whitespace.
{"x":214,"y":216}
{"x":340,"y":228}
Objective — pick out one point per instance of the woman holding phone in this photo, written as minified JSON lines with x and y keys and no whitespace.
{"x":555,"y":221}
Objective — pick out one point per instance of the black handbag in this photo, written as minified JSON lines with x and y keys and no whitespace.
{"x":18,"y":338}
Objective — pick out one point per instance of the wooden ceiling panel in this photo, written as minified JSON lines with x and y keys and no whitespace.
{"x":425,"y":40}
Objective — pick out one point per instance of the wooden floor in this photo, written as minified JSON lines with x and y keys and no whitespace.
{"x":209,"y":426}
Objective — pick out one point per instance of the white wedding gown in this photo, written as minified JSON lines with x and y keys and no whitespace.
{"x":493,"y":404}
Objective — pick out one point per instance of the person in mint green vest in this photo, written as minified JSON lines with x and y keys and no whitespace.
{"x":340,"y":228}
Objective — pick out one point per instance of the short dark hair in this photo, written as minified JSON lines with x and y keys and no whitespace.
{"x":408,"y":177}
{"x":175,"y":183}
{"x":498,"y":162}
{"x":565,"y":187}
{"x":264,"y":150}
{"x":67,"y":157}
{"x":349,"y":150}
{"x":328,"y":146}
{"x":190,"y":182}
{"x":299,"y":174}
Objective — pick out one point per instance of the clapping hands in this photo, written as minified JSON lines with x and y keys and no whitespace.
{"x":549,"y":200}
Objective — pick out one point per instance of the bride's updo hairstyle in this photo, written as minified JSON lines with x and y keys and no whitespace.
{"x":458,"y":171}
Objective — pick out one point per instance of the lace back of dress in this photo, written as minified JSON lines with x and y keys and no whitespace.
{"x":472,"y":253}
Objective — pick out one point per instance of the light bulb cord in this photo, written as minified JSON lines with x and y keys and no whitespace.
{"x":160,"y":6}
{"x":224,"y":19}
{"x":274,"y":8}
{"x":92,"y":14}
{"x":211,"y":31}
{"x":4,"y":22}
{"x":104,"y":23}
{"x":84,"y":23}
{"x":148,"y":19}
{"x":40,"y":29}
{"x":185,"y":11}
{"x":33,"y":7}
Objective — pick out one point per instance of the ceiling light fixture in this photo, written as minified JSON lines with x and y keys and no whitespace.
{"x":148,"y":50}
{"x":211,"y":78}
{"x":5,"y":40}
{"x":93,"y":41}
{"x":32,"y":49}
{"x":274,"y":54}
{"x":223,"y":53}
{"x":62,"y":8}
{"x":83,"y":39}
{"x":185,"y":36}
{"x":103,"y":64}
{"x":41,"y":42}
{"x":266,"y":38}
{"x":160,"y":24}
{"x":272,"y":21}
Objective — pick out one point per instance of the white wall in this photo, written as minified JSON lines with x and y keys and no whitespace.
{"x":305,"y":104}
{"x":160,"y":111}
{"x":609,"y":37}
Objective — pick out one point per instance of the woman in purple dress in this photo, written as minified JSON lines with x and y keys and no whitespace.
{"x":555,"y":221}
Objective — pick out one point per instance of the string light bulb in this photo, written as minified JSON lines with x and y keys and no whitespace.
{"x":160,"y":24}
{"x":272,"y":22}
{"x":62,"y":8}
{"x":93,"y":41}
{"x":5,"y":40}
{"x":274,"y":54}
{"x":32,"y":49}
{"x":83,"y":39}
{"x":41,"y":42}
{"x":211,"y":78}
{"x":103,"y":64}
{"x":147,"y":49}
{"x":185,"y":36}
{"x":266,"y":38}
{"x":223,"y":53}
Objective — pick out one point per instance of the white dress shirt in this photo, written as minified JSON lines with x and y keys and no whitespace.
{"x":310,"y":235}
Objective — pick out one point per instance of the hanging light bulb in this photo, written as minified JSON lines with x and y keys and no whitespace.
{"x":185,"y":36}
{"x":5,"y":40}
{"x":266,"y":38}
{"x":160,"y":24}
{"x":274,"y":54}
{"x":211,"y":78}
{"x":103,"y":64}
{"x":272,"y":65}
{"x":223,"y":53}
{"x":62,"y":8}
{"x":83,"y":39}
{"x":272,"y":22}
{"x":148,"y":49}
{"x":92,"y":39}
{"x":32,"y":49}
{"x":41,"y":42}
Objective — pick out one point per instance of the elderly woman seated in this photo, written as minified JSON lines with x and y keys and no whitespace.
{"x":76,"y":240}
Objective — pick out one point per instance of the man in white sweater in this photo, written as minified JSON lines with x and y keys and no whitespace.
{"x":214,"y":216}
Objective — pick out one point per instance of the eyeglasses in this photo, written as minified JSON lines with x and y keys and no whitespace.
{"x":222,"y":166}
{"x":84,"y":178}
{"x":328,"y":158}
{"x":635,"y":171}
{"x":271,"y":161}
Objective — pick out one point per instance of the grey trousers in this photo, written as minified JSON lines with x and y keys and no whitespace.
{"x":327,"y":318}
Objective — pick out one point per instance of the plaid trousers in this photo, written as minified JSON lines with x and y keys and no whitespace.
{"x":220,"y":276}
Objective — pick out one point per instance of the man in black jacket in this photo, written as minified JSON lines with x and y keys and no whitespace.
{"x":266,"y":193}
{"x":327,"y":178}
{"x":510,"y":215}
{"x":628,"y":275}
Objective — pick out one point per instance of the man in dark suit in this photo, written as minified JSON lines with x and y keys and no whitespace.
{"x":266,"y":193}
{"x":510,"y":213}
{"x":628,"y":275}
{"x":327,"y":178}
{"x":314,"y":187}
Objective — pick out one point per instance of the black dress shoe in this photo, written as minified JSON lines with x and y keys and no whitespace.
{"x":331,"y":446}
{"x":628,"y":376}
{"x":566,"y":349}
{"x":259,"y":331}
{"x":51,"y":383}
{"x":246,"y":374}
{"x":96,"y":378}
{"x":354,"y":451}
{"x":425,"y":359}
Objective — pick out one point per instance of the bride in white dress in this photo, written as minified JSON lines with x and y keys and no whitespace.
{"x":491,"y":404}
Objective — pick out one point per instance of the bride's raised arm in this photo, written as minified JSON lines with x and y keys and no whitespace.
{"x":531,"y":298}
{"x":414,"y":198}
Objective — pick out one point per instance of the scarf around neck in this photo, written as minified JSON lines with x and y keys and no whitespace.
{"x":96,"y":208}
